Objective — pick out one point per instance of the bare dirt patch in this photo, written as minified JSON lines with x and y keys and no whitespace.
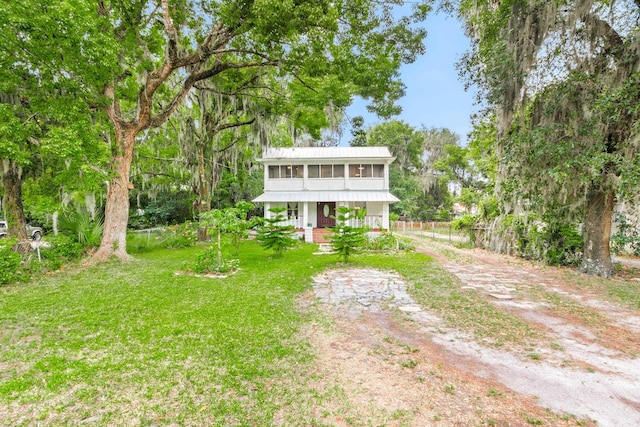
{"x":395,"y":363}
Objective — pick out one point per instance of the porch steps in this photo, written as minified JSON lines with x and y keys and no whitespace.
{"x":321,"y":235}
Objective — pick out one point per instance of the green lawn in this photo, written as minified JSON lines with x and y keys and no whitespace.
{"x":124,"y":343}
{"x":134,"y":343}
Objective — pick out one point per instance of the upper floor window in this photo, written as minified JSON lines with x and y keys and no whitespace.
{"x":326,"y":171}
{"x":366,"y":171}
{"x":286,"y":171}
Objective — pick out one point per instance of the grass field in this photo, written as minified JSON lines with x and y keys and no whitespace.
{"x":137,"y":344}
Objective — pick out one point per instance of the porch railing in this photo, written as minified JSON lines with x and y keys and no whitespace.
{"x":296,"y":222}
{"x":369,"y":221}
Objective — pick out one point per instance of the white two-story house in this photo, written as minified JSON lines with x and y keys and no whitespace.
{"x":312,"y":181}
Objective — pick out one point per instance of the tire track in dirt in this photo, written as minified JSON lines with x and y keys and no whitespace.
{"x":586,"y":373}
{"x":578,"y":375}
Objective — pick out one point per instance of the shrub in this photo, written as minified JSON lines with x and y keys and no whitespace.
{"x":180,"y":236}
{"x":78,"y":223}
{"x":9,"y":261}
{"x":627,"y":237}
{"x":548,"y":239}
{"x":388,"y":241}
{"x":167,"y":207}
{"x":466,"y":222}
{"x":557,"y":244}
{"x":62,"y":250}
{"x":209,"y":262}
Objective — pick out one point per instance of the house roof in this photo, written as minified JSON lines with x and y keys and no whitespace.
{"x":327,"y":153}
{"x":324,"y":196}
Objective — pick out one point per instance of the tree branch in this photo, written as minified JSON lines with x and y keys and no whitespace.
{"x":222,"y":150}
{"x":298,"y":78}
{"x":172,"y":34}
{"x":158,"y":174}
{"x":233,"y":125}
{"x":614,"y":44}
{"x":162,"y":159}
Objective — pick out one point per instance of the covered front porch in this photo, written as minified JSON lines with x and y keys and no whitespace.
{"x":311,"y":212}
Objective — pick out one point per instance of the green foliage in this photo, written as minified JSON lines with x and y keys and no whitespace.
{"x":208,"y":262}
{"x":488,"y":207}
{"x":454,"y":164}
{"x":416,"y":202}
{"x":626,"y":238}
{"x":549,"y":240}
{"x":358,"y":132}
{"x":322,"y":53}
{"x":273,"y":235}
{"x":563,"y":138}
{"x":404,"y":142}
{"x":561,"y":244}
{"x":40,"y":200}
{"x":61,"y":250}
{"x":180,"y":236}
{"x":166,"y":208}
{"x":77,"y":222}
{"x":9,"y":261}
{"x":412,"y":178}
{"x":231,"y":222}
{"x":387,"y":241}
{"x":481,"y":145}
{"x":466,"y":222}
{"x":347,"y":239}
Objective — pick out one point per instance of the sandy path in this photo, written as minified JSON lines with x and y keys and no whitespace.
{"x":413,"y":366}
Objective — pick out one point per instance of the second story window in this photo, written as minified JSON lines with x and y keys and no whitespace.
{"x":286,"y":171}
{"x":326,"y":171}
{"x":366,"y":171}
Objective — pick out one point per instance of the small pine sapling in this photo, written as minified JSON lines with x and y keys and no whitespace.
{"x":275,"y":235}
{"x":347,"y":238}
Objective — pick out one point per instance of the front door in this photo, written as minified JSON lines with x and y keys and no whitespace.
{"x":326,"y":214}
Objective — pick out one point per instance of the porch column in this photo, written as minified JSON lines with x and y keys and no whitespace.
{"x":267,"y":206}
{"x":385,"y":216}
{"x":308,"y":231}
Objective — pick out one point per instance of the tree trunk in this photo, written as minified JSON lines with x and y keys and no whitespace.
{"x":203,"y":201}
{"x":597,"y":233}
{"x":12,"y":182}
{"x":116,"y":215}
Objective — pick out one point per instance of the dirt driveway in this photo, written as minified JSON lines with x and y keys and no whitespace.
{"x":385,"y":360}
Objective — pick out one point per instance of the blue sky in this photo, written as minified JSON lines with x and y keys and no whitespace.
{"x":435,"y":96}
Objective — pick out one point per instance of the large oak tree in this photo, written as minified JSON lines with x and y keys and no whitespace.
{"x":137,"y":61}
{"x":563,"y":78}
